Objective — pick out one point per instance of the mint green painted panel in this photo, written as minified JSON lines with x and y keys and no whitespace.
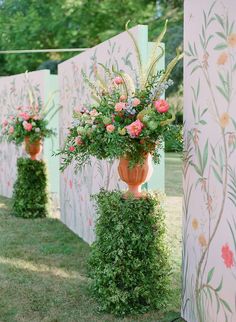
{"x":157,"y":181}
{"x":51,"y":145}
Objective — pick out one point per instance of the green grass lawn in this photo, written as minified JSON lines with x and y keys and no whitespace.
{"x":43,"y":266}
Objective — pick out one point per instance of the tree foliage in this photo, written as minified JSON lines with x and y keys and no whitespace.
{"x":33,"y":24}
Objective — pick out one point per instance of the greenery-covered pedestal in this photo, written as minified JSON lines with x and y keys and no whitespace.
{"x":129,"y":263}
{"x":30,"y":189}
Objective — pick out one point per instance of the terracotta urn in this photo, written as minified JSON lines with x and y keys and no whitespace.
{"x":135,"y":177}
{"x":33,"y":149}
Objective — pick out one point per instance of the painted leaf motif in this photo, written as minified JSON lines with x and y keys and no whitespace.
{"x":220,"y":46}
{"x":226,"y":305}
{"x":217,"y":176}
{"x":218,"y":289}
{"x":210,"y":275}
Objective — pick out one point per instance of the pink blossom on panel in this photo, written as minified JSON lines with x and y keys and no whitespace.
{"x":161,"y":106}
{"x":135,"y":102}
{"x":135,"y":128}
{"x":11,"y":117}
{"x":27,"y":126}
{"x":110,"y":128}
{"x":70,"y":183}
{"x":227,"y":255}
{"x":119,"y":106}
{"x":90,"y":221}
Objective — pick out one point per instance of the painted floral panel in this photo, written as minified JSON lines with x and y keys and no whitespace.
{"x":14,"y":93}
{"x":209,"y":207}
{"x":77,"y":209}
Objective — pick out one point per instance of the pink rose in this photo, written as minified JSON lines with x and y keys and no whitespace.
{"x":72,"y":148}
{"x":25,"y":116}
{"x":78,"y":140}
{"x":118,"y":80}
{"x":123,"y":98}
{"x":161,"y":106}
{"x":119,"y":106}
{"x":135,"y":128}
{"x":135,"y":102}
{"x":27,"y":126}
{"x":110,"y":128}
{"x":11,"y":130}
{"x":5,"y":122}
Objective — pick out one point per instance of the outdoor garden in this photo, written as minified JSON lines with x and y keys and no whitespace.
{"x":117,"y":171}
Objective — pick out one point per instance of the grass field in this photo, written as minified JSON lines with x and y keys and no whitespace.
{"x":43,"y":266}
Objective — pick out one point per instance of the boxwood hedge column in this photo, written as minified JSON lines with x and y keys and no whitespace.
{"x":30,"y":189}
{"x":129,"y":263}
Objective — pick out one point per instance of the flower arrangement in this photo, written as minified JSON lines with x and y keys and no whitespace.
{"x":125,"y":121}
{"x":28,"y":121}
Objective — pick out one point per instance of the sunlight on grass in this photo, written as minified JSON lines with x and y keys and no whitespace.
{"x":22,"y":264}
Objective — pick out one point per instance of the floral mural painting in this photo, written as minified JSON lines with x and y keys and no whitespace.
{"x":209,"y":232}
{"x":14,"y":93}
{"x":77,"y":210}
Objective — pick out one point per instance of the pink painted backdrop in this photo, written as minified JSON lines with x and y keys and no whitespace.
{"x":209,"y":207}
{"x":13,"y":93}
{"x":77,"y":210}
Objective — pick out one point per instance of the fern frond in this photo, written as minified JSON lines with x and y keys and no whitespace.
{"x":153,"y":65}
{"x":171,"y":66}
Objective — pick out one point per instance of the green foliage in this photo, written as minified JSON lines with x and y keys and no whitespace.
{"x":129,"y":262}
{"x":30,"y":189}
{"x":174,"y":138}
{"x":65,"y":24}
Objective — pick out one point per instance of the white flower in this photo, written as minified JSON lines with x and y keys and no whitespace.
{"x":37,"y":129}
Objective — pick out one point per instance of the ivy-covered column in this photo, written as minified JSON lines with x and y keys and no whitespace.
{"x":30,"y":197}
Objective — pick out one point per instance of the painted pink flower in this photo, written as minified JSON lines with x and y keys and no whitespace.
{"x":227,"y":255}
{"x":71,"y":183}
{"x":78,"y":140}
{"x":110,"y":128}
{"x":135,"y":128}
{"x":11,"y":130}
{"x":11,"y":117}
{"x":71,"y":148}
{"x":123,"y":98}
{"x":25,"y":116}
{"x":118,"y":80}
{"x":161,"y":106}
{"x":119,"y":106}
{"x":135,"y":102}
{"x":27,"y":126}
